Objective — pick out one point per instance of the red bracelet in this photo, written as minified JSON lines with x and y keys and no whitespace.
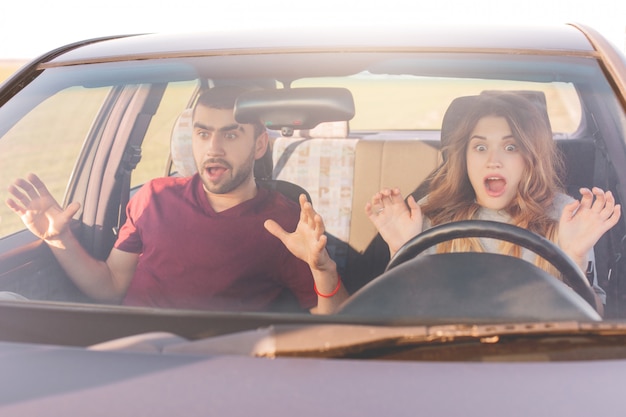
{"x":333,"y":291}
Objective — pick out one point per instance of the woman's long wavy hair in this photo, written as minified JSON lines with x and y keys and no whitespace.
{"x":452,"y":198}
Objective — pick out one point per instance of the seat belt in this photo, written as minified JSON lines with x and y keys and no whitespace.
{"x":610,"y":245}
{"x":282,"y":161}
{"x":130,"y":159}
{"x":132,"y":153}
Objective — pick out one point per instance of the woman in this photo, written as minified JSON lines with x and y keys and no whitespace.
{"x":501,"y":165}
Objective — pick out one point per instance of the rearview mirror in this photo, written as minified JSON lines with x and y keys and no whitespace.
{"x":297,"y":108}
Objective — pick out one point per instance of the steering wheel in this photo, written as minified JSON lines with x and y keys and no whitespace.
{"x":541,"y":246}
{"x":427,"y":274}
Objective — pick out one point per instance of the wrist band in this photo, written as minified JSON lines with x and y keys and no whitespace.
{"x":333,"y":292}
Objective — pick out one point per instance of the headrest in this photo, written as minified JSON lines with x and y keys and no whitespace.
{"x":182,"y":153}
{"x":538,"y":98}
{"x":327,"y":130}
{"x":180,"y":145}
{"x":455,"y":112}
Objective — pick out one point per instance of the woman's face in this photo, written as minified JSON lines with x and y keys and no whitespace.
{"x":495,"y":164}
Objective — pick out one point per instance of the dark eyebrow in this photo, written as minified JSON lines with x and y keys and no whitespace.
{"x":198,"y":125}
{"x":234,"y":126}
{"x":226,"y":128}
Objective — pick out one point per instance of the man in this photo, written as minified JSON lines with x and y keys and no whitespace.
{"x":198,"y":242}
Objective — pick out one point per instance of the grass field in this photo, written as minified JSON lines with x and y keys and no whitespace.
{"x":8,"y":222}
{"x":8,"y":67}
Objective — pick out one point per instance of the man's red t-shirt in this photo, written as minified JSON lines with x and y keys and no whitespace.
{"x":193,"y":257}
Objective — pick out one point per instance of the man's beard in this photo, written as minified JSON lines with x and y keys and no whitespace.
{"x":241,"y":176}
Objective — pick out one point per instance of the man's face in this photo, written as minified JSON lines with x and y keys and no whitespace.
{"x":224,"y":150}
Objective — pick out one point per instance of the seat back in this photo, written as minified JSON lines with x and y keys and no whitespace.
{"x":321,"y":160}
{"x":328,"y":161}
{"x":181,"y":152}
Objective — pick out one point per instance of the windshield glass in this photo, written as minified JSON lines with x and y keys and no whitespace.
{"x":101,"y":134}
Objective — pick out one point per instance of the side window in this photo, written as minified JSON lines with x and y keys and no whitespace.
{"x":47,"y":141}
{"x":155,"y":149}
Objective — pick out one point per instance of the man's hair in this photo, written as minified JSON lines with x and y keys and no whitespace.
{"x":224,"y":98}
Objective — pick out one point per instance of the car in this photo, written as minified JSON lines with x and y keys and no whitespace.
{"x":348,"y":113}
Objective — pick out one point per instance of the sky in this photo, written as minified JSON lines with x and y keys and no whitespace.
{"x":29,"y":29}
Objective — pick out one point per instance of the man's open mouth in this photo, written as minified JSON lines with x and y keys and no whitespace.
{"x":215,"y":170}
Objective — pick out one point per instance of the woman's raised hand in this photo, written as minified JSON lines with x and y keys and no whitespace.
{"x":584,"y":222}
{"x":396,"y":221}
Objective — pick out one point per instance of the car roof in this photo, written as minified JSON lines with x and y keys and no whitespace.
{"x":560,"y":39}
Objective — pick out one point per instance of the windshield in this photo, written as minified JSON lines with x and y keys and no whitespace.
{"x":102,"y":135}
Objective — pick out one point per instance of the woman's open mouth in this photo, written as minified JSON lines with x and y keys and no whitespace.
{"x":495,"y":186}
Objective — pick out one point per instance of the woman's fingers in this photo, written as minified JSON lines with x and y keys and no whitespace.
{"x":384,"y":198}
{"x":600,"y":200}
{"x":414,"y":207}
{"x":396,"y":197}
{"x":617,"y":211}
{"x":606,"y":210}
{"x":586,"y":197}
{"x":570,"y":209}
{"x":376,"y":205}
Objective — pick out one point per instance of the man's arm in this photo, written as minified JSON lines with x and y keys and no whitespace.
{"x":44,"y":217}
{"x":329,"y":288}
{"x":308,"y":243}
{"x":103,"y":281}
